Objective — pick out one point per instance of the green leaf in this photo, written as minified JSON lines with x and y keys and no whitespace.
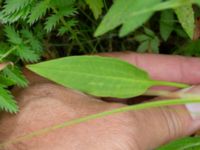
{"x":131,"y":18}
{"x":51,"y":22}
{"x":12,"y":35}
{"x":191,"y":48}
{"x":7,"y":102}
{"x":33,"y":40}
{"x":26,"y":54}
{"x":38,"y":11}
{"x":16,"y":76}
{"x":99,"y":76}
{"x":155,"y":42}
{"x":6,"y":81}
{"x":62,"y":30}
{"x":12,"y":6}
{"x":143,"y":47}
{"x":166,"y":24}
{"x":185,"y":15}
{"x":188,"y":143}
{"x":96,"y":7}
{"x":141,"y":37}
{"x":135,"y":9}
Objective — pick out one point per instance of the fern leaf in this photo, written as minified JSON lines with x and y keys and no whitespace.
{"x":38,"y":11}
{"x":12,"y":35}
{"x":51,"y":22}
{"x":5,"y":81}
{"x":33,"y":40}
{"x":62,"y":3}
{"x":16,"y":15}
{"x":16,"y":76}
{"x":12,"y":6}
{"x":7,"y":102}
{"x":62,"y":30}
{"x":67,"y":11}
{"x":26,"y":54}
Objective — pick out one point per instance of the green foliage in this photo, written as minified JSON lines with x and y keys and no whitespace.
{"x":96,"y":7}
{"x":149,"y":42}
{"x":32,"y":11}
{"x":6,"y":101}
{"x":139,"y":11}
{"x":23,"y":48}
{"x":186,"y":17}
{"x":188,"y":143}
{"x":166,"y":24}
{"x":100,"y":76}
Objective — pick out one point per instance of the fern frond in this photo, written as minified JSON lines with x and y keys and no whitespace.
{"x":67,"y":11}
{"x":62,"y":3}
{"x":7,"y":102}
{"x":12,"y":6}
{"x":5,"y":81}
{"x":26,"y":54}
{"x":13,"y":36}
{"x":15,"y":75}
{"x":33,"y":40}
{"x":62,"y":30}
{"x":38,"y":11}
{"x":13,"y":16}
{"x":51,"y":22}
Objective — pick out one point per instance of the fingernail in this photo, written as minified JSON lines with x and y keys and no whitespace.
{"x":193,"y":108}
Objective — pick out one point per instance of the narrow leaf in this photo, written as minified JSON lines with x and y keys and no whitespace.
{"x":188,"y":143}
{"x":186,"y":17}
{"x":99,"y":76}
{"x":166,"y":23}
{"x":96,"y":7}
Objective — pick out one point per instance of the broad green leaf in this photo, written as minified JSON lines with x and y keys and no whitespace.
{"x":7,"y":102}
{"x":96,"y":7}
{"x":189,"y":143}
{"x":185,"y":15}
{"x":166,"y":23}
{"x":135,"y":9}
{"x":99,"y":76}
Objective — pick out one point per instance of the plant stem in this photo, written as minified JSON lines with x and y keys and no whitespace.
{"x":99,"y":115}
{"x":8,"y":53}
{"x":174,"y":84}
{"x":70,"y":29}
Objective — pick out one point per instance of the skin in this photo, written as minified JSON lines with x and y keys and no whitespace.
{"x":44,"y":104}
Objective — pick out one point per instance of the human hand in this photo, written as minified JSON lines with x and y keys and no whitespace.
{"x":45,"y":104}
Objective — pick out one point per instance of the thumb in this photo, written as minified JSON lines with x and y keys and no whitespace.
{"x":158,"y":126}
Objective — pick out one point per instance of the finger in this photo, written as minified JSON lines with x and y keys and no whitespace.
{"x":160,"y":125}
{"x":164,"y":67}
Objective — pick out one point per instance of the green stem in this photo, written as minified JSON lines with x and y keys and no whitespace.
{"x":166,"y":83}
{"x":70,"y":29}
{"x":8,"y":53}
{"x":99,"y":115}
